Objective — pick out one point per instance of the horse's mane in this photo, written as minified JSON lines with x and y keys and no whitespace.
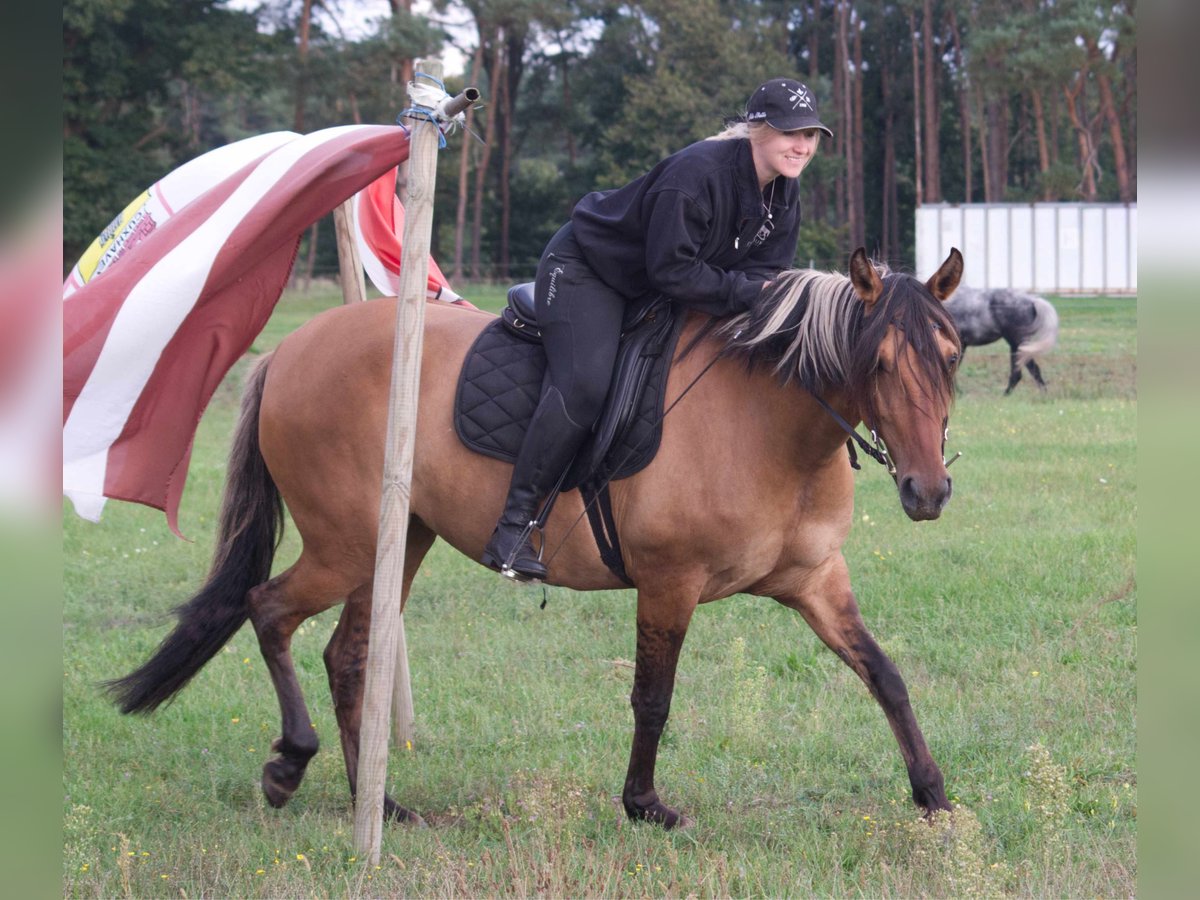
{"x":811,"y":327}
{"x":802,"y":328}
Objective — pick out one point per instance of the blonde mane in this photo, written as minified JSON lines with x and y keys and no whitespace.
{"x":805,"y":327}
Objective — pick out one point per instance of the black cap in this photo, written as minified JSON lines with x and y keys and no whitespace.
{"x":785,"y":105}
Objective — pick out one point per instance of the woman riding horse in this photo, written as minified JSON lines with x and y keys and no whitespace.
{"x":708,"y":227}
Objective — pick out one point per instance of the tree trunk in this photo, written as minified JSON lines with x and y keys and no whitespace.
{"x":841,"y":103}
{"x":918,"y":170}
{"x":405,"y":74}
{"x":1115,"y":133}
{"x":504,"y":132}
{"x":964,"y":108}
{"x":402,"y":73}
{"x":858,"y":218}
{"x":1039,"y":124}
{"x":464,"y":164}
{"x":814,"y":43}
{"x":984,"y":145}
{"x":494,"y":80}
{"x":891,"y":232}
{"x":820,"y":193}
{"x":514,"y":51}
{"x":1074,"y":94}
{"x":302,"y":29}
{"x":996,"y":113}
{"x":312,"y":255}
{"x":1054,"y":120}
{"x":933,"y":176}
{"x":568,"y":110}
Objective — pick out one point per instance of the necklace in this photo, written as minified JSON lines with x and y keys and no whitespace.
{"x":769,"y":201}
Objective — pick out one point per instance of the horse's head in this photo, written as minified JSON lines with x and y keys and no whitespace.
{"x":903,"y":375}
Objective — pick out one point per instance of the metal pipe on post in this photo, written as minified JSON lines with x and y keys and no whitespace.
{"x":386,"y":623}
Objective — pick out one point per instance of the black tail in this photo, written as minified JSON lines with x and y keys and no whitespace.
{"x":250,"y":529}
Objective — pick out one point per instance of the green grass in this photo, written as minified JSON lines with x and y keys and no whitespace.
{"x":1013,"y":619}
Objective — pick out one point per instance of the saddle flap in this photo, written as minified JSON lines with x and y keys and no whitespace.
{"x":628,"y":427}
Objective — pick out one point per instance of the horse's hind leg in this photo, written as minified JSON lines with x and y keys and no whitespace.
{"x":346,"y":664}
{"x":662,"y":622}
{"x":832,"y":612}
{"x":1036,"y":372}
{"x":277,"y":608}
{"x":1014,"y":369}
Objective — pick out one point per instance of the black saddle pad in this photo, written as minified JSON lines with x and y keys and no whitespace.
{"x":501,"y":381}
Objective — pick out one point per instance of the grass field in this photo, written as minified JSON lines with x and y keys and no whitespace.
{"x":1013,"y":619}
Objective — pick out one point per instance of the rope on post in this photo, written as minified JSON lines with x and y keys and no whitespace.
{"x":427,"y":115}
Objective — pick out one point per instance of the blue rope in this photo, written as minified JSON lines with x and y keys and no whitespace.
{"x":429,"y":77}
{"x":415,"y":112}
{"x":423,"y":112}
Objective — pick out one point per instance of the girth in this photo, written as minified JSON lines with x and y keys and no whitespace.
{"x":501,"y":382}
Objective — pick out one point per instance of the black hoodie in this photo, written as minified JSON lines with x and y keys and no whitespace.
{"x":695,"y":228}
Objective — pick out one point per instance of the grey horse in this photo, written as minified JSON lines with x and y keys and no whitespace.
{"x":1028,"y":323}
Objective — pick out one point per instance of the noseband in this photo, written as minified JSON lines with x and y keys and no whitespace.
{"x":877,"y":449}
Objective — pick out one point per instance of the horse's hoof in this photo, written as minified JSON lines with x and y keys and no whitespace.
{"x":280,"y":778}
{"x":659,"y":813}
{"x":683,"y":823}
{"x":394,"y":812}
{"x":276,"y":795}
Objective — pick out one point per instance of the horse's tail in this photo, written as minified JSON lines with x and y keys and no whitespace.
{"x":251,"y":524}
{"x":1043,"y":333}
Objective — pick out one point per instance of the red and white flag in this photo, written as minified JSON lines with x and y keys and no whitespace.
{"x":147,"y":344}
{"x":378,"y":225}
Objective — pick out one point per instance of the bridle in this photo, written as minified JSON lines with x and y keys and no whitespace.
{"x":877,"y":449}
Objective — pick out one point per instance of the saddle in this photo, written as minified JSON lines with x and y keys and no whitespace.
{"x":501,"y":382}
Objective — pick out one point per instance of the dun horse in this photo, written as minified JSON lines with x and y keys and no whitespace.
{"x":1027,"y":322}
{"x":751,"y":491}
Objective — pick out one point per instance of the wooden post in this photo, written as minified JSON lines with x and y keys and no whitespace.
{"x":397,"y":476}
{"x":354,"y":290}
{"x":350,"y":270}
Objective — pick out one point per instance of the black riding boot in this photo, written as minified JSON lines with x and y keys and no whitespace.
{"x":548,"y":448}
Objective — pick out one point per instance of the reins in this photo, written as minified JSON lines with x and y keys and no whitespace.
{"x":877,"y":450}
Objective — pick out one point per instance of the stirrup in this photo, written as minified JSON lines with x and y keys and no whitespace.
{"x":525,"y":540}
{"x":505,"y":566}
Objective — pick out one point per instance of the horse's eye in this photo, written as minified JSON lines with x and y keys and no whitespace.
{"x":953,"y":360}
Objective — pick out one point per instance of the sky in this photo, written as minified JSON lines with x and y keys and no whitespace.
{"x":356,"y":19}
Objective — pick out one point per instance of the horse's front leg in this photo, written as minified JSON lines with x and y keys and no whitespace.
{"x":662,"y":622}
{"x":829,"y":607}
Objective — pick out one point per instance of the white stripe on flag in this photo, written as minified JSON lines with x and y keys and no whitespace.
{"x":149,"y":317}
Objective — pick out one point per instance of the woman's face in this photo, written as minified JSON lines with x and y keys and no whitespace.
{"x":783,"y":152}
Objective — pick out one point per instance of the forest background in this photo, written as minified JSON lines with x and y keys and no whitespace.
{"x":930,"y":101}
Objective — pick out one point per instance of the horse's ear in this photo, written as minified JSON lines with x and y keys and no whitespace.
{"x":866,"y":281}
{"x":946,"y":279}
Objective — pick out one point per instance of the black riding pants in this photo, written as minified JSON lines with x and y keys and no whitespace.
{"x":580,"y":319}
